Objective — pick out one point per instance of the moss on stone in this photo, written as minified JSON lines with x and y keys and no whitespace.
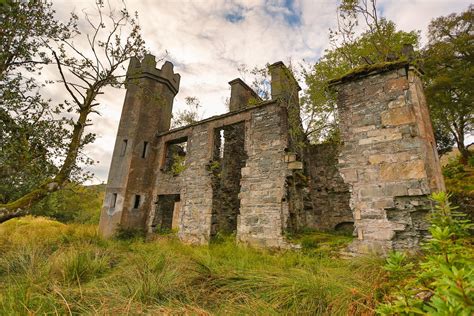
{"x":364,"y":70}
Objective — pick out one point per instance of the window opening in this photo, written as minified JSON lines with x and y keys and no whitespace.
{"x":175,"y":161}
{"x":167,"y":212}
{"x":124,"y":147}
{"x":221,"y":143}
{"x":145,"y":148}
{"x":228,"y":159}
{"x":114,"y":199}
{"x":136,"y":203}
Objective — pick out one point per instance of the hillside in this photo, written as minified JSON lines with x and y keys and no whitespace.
{"x":48,"y":267}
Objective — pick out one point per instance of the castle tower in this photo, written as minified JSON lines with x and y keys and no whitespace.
{"x":146,"y":111}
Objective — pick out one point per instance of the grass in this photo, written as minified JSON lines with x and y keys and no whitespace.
{"x":51,"y":268}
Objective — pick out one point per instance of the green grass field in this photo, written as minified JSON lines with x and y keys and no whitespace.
{"x":47,"y":267}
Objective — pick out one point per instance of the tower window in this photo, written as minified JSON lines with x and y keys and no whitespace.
{"x":114,"y":199}
{"x":145,"y":149}
{"x":136,"y":203}
{"x":124,"y":147}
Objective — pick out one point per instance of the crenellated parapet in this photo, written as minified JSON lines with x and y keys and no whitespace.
{"x":147,"y":69}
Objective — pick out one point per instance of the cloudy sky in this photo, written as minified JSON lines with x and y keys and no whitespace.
{"x":208,"y":40}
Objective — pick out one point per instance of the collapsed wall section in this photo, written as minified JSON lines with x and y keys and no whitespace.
{"x":330,"y":195}
{"x":229,"y":158}
{"x":388,"y":156}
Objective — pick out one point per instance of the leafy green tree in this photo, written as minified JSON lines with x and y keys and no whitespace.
{"x":444,"y":139}
{"x":30,"y":132}
{"x":352,"y":45}
{"x":111,"y":38}
{"x":188,"y":115}
{"x":449,"y":68}
{"x":75,"y":203}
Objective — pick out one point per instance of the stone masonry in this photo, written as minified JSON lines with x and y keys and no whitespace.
{"x":251,"y":172}
{"x":388,"y":156}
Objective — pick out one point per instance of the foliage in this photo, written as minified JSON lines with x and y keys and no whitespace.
{"x":443,"y":281}
{"x":189,"y":115}
{"x":179,"y":164}
{"x":126,"y":233}
{"x":31,"y":133}
{"x":444,"y":139}
{"x":320,"y":243}
{"x":449,"y":69}
{"x":75,"y":203}
{"x":111,"y":38}
{"x":51,"y":268}
{"x":459,"y":178}
{"x":378,"y":41}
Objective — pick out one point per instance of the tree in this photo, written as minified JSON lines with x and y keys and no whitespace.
{"x":189,"y":115}
{"x":449,"y":68}
{"x":30,"y":133}
{"x":111,"y":38}
{"x":444,"y":140}
{"x":351,"y":46}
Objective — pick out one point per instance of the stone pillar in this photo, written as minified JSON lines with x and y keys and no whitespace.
{"x":147,"y":110}
{"x":241,"y":95}
{"x":283,"y":84}
{"x":388,"y":156}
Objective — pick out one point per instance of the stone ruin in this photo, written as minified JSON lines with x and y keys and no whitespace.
{"x":251,"y":172}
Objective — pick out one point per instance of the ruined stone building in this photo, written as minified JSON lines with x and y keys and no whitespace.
{"x":251,"y":172}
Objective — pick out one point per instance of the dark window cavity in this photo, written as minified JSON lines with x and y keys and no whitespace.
{"x":136,"y":203}
{"x":176,"y":156}
{"x":124,"y":147}
{"x":145,"y":149}
{"x":114,"y":199}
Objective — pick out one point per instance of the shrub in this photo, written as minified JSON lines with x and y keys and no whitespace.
{"x":443,"y":283}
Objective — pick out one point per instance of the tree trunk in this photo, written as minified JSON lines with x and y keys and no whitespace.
{"x":22,"y":206}
{"x":465,"y":154}
{"x":459,"y":137}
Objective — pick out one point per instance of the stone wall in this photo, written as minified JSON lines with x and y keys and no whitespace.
{"x":388,"y":156}
{"x":329,"y":194}
{"x":263,"y":195}
{"x":248,"y":183}
{"x":266,"y":182}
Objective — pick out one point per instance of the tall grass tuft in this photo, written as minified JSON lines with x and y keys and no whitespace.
{"x":79,"y":265}
{"x":51,"y":268}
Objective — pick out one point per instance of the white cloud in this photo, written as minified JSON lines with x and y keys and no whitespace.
{"x":208,"y":39}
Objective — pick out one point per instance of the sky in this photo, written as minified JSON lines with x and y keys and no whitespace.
{"x":208,"y":40}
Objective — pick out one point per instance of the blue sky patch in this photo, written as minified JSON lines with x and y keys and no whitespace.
{"x":235,"y":15}
{"x":285,"y":8}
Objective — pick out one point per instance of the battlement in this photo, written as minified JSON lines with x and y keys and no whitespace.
{"x":147,"y":68}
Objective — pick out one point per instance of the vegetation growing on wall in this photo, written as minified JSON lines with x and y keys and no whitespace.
{"x":442,"y":282}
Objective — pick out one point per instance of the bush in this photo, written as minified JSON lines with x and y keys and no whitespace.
{"x":75,"y":203}
{"x":443,"y":281}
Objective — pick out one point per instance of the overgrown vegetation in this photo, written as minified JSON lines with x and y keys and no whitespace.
{"x":74,"y":204}
{"x":442,"y":282}
{"x":53,"y":268}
